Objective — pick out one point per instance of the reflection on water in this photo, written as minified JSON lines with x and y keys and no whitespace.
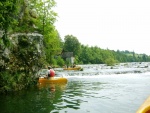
{"x":122,"y":93}
{"x":105,"y":94}
{"x":39,"y":99}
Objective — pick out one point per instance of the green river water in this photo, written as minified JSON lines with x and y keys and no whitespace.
{"x":85,"y":92}
{"x":122,"y":93}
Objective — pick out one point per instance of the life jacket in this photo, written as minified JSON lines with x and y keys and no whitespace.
{"x":52,"y":73}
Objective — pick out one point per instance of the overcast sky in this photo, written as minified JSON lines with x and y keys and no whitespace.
{"x":112,"y":24}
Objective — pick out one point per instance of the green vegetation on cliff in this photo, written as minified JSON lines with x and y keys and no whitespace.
{"x":28,"y":41}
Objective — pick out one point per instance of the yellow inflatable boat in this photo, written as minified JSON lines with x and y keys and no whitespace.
{"x":73,"y":68}
{"x":54,"y":80}
{"x":145,"y":107}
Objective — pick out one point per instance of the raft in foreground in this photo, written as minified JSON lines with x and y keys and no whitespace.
{"x":55,"y":80}
{"x":145,"y":107}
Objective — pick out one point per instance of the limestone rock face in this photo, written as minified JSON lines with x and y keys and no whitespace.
{"x":24,"y":54}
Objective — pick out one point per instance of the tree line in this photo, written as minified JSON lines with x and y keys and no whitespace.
{"x":96,"y":55}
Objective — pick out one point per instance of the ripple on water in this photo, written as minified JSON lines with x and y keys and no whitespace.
{"x":97,"y":94}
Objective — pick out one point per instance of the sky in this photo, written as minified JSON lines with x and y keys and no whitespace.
{"x":113,"y":24}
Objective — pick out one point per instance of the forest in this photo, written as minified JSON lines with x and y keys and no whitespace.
{"x":30,"y":41}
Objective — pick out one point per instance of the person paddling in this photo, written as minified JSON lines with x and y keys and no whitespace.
{"x":51,"y":73}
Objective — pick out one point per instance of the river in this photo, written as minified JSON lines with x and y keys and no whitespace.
{"x":85,"y":92}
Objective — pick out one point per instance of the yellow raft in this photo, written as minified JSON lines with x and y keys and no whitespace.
{"x":54,"y":80}
{"x":73,"y":68}
{"x":145,"y":107}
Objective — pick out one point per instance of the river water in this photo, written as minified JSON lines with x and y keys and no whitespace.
{"x":93,"y":91}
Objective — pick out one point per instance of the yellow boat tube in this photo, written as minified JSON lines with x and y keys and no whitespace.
{"x":54,"y":80}
{"x":145,"y":107}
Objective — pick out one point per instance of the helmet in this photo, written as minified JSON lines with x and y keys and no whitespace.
{"x":49,"y":67}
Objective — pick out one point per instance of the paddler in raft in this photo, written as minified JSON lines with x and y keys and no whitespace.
{"x":51,"y":73}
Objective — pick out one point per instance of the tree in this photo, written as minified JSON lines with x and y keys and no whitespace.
{"x":26,"y":16}
{"x":45,"y":26}
{"x":8,"y":8}
{"x":72,"y":44}
{"x":60,"y":61}
{"x":110,"y":61}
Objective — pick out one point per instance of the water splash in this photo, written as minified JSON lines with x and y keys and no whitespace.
{"x":102,"y":69}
